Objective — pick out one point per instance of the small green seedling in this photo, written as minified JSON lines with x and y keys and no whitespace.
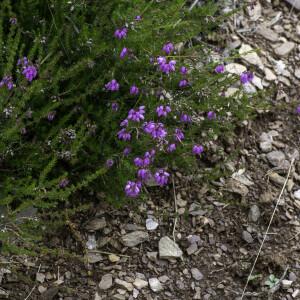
{"x":271,"y":281}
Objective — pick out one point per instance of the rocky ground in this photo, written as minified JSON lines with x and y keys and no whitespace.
{"x":199,"y":240}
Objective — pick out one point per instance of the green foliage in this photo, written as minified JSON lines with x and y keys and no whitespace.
{"x":72,"y":45}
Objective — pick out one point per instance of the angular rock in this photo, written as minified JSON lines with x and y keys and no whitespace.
{"x":247,"y":237}
{"x":254,"y":10}
{"x":270,"y":76}
{"x":96,"y":224}
{"x":197,"y":275}
{"x":106,"y":282}
{"x":236,"y":187}
{"x":151,"y":224}
{"x":294,"y":3}
{"x":140,"y":283}
{"x":285,"y":49}
{"x":297,"y":194}
{"x":276,"y":158}
{"x":267,"y":33}
{"x":134,"y":238}
{"x":235,"y":68}
{"x":155,"y":285}
{"x":286,"y":284}
{"x":168,"y":248}
{"x":113,"y":258}
{"x":40,"y":277}
{"x":127,"y":285}
{"x":250,"y":56}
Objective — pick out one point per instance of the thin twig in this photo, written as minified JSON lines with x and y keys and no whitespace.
{"x":175,"y":206}
{"x":193,"y":5}
{"x":30,"y":293}
{"x":268,"y":228}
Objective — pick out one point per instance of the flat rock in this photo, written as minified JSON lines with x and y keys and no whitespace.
{"x":155,"y":285}
{"x":106,"y":282}
{"x":276,"y":158}
{"x":134,"y":238}
{"x":235,"y":68}
{"x":267,"y":33}
{"x":140,"y":283}
{"x":127,"y":285}
{"x":96,"y":224}
{"x":270,"y":76}
{"x":285,"y":48}
{"x":168,"y":248}
{"x":197,"y":275}
{"x":151,"y":224}
{"x":294,"y":3}
{"x":250,"y":56}
{"x":236,"y":187}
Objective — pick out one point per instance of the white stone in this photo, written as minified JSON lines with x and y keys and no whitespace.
{"x":151,"y":224}
{"x":270,"y":76}
{"x":297,"y":73}
{"x":127,"y":285}
{"x":286,"y":284}
{"x":257,"y":82}
{"x":155,"y":285}
{"x":140,"y":283}
{"x":254,"y":11}
{"x":168,"y":248}
{"x":276,"y":158}
{"x":285,"y":48}
{"x":235,"y":68}
{"x":106,"y":282}
{"x":249,"y":55}
{"x":297,"y":194}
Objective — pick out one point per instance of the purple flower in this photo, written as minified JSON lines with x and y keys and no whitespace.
{"x":161,"y":177}
{"x":143,"y":174}
{"x":197,"y":149}
{"x":162,"y":111}
{"x":298,"y":109}
{"x":178,"y":135}
{"x":183,"y":83}
{"x":138,"y":18}
{"x":168,"y":48}
{"x":63,"y":183}
{"x":133,"y":189}
{"x":136,"y":115}
{"x":184,"y":118}
{"x":30,"y":72}
{"x":172,"y":64}
{"x":246,"y":77}
{"x":23,"y":61}
{"x":124,"y":123}
{"x":164,"y":66}
{"x":134,"y":90}
{"x":109,"y":163}
{"x":13,"y":21}
{"x":150,"y":154}
{"x":51,"y":115}
{"x":171,"y":148}
{"x":157,"y":130}
{"x":115,"y":106}
{"x":7,"y":81}
{"x":220,"y":69}
{"x":123,"y":53}
{"x":124,"y":135}
{"x":161,"y":60}
{"x":112,"y":85}
{"x":126,"y":151}
{"x":183,"y":70}
{"x":211,"y":115}
{"x":121,"y":33}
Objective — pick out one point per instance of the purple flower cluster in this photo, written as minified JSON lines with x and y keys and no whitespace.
{"x":197,"y":149}
{"x":115,"y":106}
{"x":184,"y":118}
{"x":7,"y":81}
{"x":156,"y":130}
{"x":136,"y":115}
{"x":121,"y":33}
{"x":133,"y":189}
{"x":220,"y":69}
{"x":112,"y":86}
{"x":211,"y":115}
{"x":124,"y":135}
{"x":183,"y":83}
{"x":246,"y":77}
{"x":165,"y":66}
{"x":161,"y":177}
{"x":168,"y":48}
{"x":178,"y":135}
{"x":162,"y":111}
{"x":29,"y":70}
{"x":134,"y":90}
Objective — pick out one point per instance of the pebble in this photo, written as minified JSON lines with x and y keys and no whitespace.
{"x":127,"y":285}
{"x":168,"y":248}
{"x":296,"y":293}
{"x":270,"y":76}
{"x":286,"y":284}
{"x":247,"y":237}
{"x":42,"y":289}
{"x":250,"y":56}
{"x":192,"y":249}
{"x":151,"y":224}
{"x":267,"y":33}
{"x":254,"y":11}
{"x":113,"y":258}
{"x":106,"y":282}
{"x":237,"y":187}
{"x":292,"y":276}
{"x":276,"y":158}
{"x":235,"y":68}
{"x":134,"y":238}
{"x":297,"y":73}
{"x":285,"y":48}
{"x":96,"y":224}
{"x":294,"y":3}
{"x":297,"y":194}
{"x":155,"y":285}
{"x":40,"y":277}
{"x":140,"y":283}
{"x":254,"y":213}
{"x":197,"y":275}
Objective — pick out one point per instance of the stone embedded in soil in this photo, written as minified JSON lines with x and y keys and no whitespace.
{"x":285,"y":48}
{"x":247,"y":237}
{"x":151,"y":224}
{"x":118,"y":297}
{"x":40,"y":277}
{"x":250,"y":56}
{"x":294,"y":3}
{"x":197,"y":275}
{"x":106,"y":282}
{"x":168,"y":248}
{"x":236,"y":187}
{"x":297,"y":194}
{"x":113,"y":258}
{"x":42,"y":289}
{"x":267,"y":33}
{"x":127,"y":285}
{"x":276,"y":158}
{"x":96,"y":224}
{"x":292,"y":276}
{"x":134,"y":238}
{"x":270,"y":76}
{"x":235,"y":68}
{"x":286,"y":284}
{"x":140,"y":283}
{"x":254,"y":11}
{"x":254,"y":213}
{"x":155,"y":285}
{"x":297,"y":73}
{"x":192,"y":249}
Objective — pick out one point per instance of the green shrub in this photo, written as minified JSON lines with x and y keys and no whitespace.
{"x":59,"y":130}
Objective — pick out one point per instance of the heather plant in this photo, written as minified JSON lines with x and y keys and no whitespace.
{"x":106,"y":99}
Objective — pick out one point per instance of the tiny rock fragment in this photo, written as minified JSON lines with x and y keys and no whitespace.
{"x":134,"y":238}
{"x":113,"y":258}
{"x":197,"y":275}
{"x":254,"y":213}
{"x":151,"y":224}
{"x":106,"y":282}
{"x":96,"y":224}
{"x":40,"y":277}
{"x":247,"y":237}
{"x":140,"y":283}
